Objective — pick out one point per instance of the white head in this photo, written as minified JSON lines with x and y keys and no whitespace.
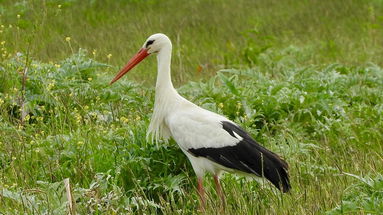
{"x":154,"y":44}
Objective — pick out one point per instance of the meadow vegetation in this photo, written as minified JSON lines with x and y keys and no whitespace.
{"x":303,"y":77}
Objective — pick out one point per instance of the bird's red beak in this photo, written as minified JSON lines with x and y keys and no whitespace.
{"x":142,"y":54}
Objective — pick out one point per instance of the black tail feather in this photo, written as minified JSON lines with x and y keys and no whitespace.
{"x":248,"y":156}
{"x":273,"y":167}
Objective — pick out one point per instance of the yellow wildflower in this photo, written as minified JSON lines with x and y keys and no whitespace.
{"x":138,"y":118}
{"x":89,"y":79}
{"x":67,"y":39}
{"x":27,"y":117}
{"x":2,"y":42}
{"x":57,"y":65}
{"x":18,"y":16}
{"x":109,"y":56}
{"x":124,"y":119}
{"x":78,"y":118}
{"x":220,"y":105}
{"x":50,"y":86}
{"x":59,"y":6}
{"x":80,"y":143}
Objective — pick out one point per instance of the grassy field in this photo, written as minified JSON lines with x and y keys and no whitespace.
{"x":305,"y":78}
{"x":212,"y":34}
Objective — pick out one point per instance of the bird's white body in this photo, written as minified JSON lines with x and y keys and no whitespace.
{"x":194,"y":127}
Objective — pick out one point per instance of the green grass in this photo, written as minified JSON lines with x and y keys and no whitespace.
{"x":306,"y":85}
{"x":210,"y":34}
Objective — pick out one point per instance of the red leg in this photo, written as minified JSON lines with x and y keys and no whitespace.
{"x":201,"y":193}
{"x":219,"y":189}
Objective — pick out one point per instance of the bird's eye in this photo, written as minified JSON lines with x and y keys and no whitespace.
{"x":149,"y":43}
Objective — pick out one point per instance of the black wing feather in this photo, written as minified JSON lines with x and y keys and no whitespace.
{"x":248,"y":156}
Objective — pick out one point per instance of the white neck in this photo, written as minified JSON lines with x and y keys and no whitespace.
{"x":163,"y":72}
{"x":165,"y":97}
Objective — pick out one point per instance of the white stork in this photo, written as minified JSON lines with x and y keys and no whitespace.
{"x":212,"y":142}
